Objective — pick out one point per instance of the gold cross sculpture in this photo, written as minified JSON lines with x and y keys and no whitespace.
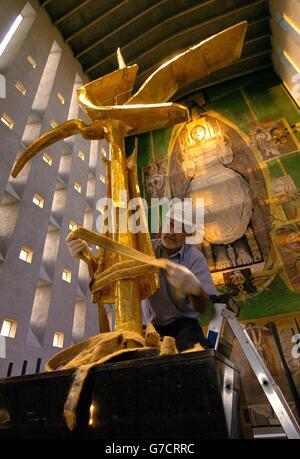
{"x":116,"y":114}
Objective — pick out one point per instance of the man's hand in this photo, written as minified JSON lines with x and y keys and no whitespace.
{"x":182,"y":279}
{"x":77,"y":247}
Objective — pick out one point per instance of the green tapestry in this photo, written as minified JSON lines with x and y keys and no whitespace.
{"x":240,"y":152}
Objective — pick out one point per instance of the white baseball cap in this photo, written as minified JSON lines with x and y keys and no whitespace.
{"x":190,"y":219}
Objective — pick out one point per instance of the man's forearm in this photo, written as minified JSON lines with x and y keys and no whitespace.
{"x":91,"y":261}
{"x":200,"y":301}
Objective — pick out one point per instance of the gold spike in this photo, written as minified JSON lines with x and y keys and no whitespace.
{"x":120,"y":58}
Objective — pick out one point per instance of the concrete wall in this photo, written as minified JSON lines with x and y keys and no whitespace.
{"x":285,"y":26}
{"x":34,"y":295}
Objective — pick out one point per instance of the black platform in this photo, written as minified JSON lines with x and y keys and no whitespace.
{"x":181,"y":396}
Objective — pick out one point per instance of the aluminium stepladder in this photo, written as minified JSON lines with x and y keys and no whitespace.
{"x":225,"y":315}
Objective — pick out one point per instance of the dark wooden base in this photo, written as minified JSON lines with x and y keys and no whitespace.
{"x":174,"y":397}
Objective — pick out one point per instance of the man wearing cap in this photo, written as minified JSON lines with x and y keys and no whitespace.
{"x":186,"y":285}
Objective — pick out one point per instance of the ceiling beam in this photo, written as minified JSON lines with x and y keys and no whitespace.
{"x":123,"y":26}
{"x":98,"y":42}
{"x":164,"y":23}
{"x":72,"y":11}
{"x":46,"y":2}
{"x":226,"y":15}
{"x":94,"y":21}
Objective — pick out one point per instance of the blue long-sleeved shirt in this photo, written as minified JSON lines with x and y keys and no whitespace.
{"x":163,"y":307}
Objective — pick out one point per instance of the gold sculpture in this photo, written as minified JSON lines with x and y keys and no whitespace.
{"x":114,"y":116}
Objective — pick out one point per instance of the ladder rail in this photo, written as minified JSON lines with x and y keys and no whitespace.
{"x":223,"y":316}
{"x":265,"y":379}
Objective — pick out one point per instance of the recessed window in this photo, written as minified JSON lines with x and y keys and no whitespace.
{"x":26,"y":254}
{"x":58,"y":339}
{"x":81,"y":155}
{"x":77,"y":187}
{"x":291,"y":61}
{"x":61,"y":98}
{"x":53,"y":124}
{"x":9,"y":328}
{"x":48,"y":159}
{"x":7,"y":120}
{"x":72,"y":225}
{"x":67,"y":276}
{"x":38,"y":200}
{"x":9,"y":370}
{"x":292,"y":23}
{"x":102,"y":178}
{"x":91,"y":415}
{"x":31,"y":61}
{"x":8,"y":36}
{"x":21,"y":88}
